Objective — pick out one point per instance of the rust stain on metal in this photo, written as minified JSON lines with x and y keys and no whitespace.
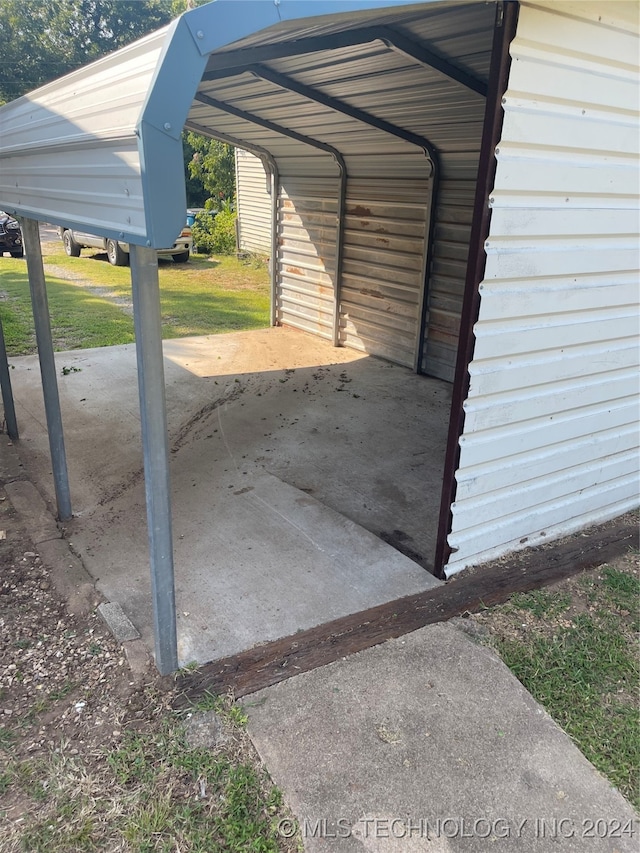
{"x":382,"y":240}
{"x":382,"y":230}
{"x":294,"y":270}
{"x":365,"y":292}
{"x":287,"y":202}
{"x":359,"y":210}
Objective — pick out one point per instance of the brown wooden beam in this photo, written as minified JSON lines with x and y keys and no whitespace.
{"x":469,"y":591}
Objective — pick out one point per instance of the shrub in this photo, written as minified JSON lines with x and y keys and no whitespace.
{"x":215,"y":233}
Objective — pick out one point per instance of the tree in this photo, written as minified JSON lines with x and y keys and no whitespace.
{"x":213,"y":163}
{"x":197,"y":195}
{"x":41,"y":40}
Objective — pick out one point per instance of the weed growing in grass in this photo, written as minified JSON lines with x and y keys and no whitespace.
{"x":30,"y":776}
{"x":6,"y":739}
{"x":63,"y":691}
{"x":29,"y":718}
{"x":224,"y":706}
{"x":207,"y":702}
{"x":133,"y":762}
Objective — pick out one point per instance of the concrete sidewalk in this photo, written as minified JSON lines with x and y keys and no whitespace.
{"x":429,"y":743}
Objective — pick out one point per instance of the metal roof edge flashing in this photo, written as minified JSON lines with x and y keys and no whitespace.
{"x":216,"y":24}
{"x":159,"y":131}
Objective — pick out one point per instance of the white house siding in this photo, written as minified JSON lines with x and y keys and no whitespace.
{"x":254,"y":204}
{"x":550,"y":439}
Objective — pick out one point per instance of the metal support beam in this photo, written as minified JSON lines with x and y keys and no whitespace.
{"x":155,"y":444}
{"x":269,"y":125}
{"x":40,"y":305}
{"x":236,"y":59}
{"x":411,"y":49}
{"x":7,"y":393}
{"x":233,"y":62}
{"x":289,"y":84}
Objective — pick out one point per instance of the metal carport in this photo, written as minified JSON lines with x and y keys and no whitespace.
{"x":379,"y":122}
{"x":368,"y":115}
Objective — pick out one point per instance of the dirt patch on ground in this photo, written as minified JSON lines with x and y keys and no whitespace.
{"x":91,"y":755}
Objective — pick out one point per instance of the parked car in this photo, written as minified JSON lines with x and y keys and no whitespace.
{"x":192,"y":212}
{"x":118,"y":253}
{"x":10,"y":236}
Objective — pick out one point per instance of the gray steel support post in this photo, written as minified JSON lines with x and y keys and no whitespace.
{"x":7,"y":393}
{"x":155,"y":445}
{"x":40,"y":305}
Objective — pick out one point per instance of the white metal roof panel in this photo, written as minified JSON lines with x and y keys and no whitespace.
{"x":73,"y":142}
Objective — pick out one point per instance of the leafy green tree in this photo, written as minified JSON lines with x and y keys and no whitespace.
{"x":41,"y":40}
{"x":197,"y":195}
{"x":213,"y":163}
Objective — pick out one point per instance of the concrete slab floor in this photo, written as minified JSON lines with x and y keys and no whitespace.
{"x":293,"y":463}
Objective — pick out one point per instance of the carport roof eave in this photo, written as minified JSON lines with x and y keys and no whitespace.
{"x":86,"y":121}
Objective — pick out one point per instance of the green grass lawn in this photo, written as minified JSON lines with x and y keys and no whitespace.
{"x":574,"y":647}
{"x":205,"y":296}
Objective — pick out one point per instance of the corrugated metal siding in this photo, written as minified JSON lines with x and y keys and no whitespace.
{"x":550,"y":441}
{"x":383,"y":264}
{"x":382,"y":288}
{"x":254,"y":204}
{"x":448,"y":270}
{"x":305,"y":292}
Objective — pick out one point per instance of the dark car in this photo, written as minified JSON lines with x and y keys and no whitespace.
{"x":10,"y":236}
